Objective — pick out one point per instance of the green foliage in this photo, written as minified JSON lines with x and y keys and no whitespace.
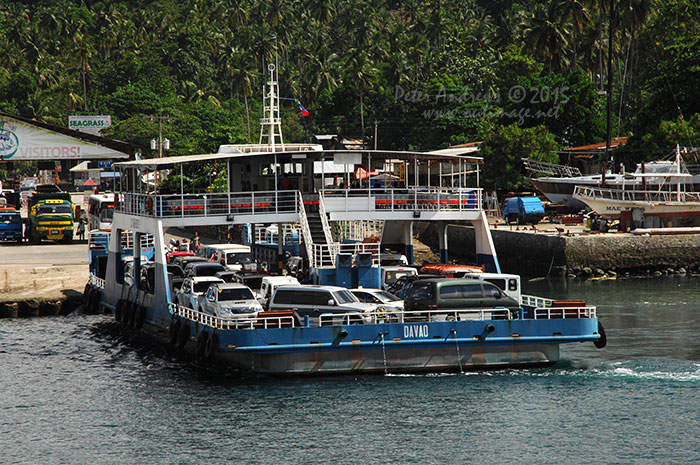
{"x":670,"y":70}
{"x":670,"y":133}
{"x":505,"y":146}
{"x":567,"y":105}
{"x":202,"y":63}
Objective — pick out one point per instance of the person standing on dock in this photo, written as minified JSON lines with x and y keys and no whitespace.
{"x":81,"y":229}
{"x":195,"y":242}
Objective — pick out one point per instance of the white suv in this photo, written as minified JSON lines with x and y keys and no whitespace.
{"x":192,"y":288}
{"x":229,"y":300}
{"x":314,"y":301}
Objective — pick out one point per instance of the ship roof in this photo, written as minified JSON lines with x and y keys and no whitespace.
{"x":161,"y":163}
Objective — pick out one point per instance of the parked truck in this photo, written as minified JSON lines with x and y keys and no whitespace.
{"x":523,"y":210}
{"x":50,"y":216}
{"x":10,"y":224}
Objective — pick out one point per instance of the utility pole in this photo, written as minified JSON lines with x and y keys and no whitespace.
{"x":611,"y":26}
{"x":375,"y":134}
{"x":160,"y":145}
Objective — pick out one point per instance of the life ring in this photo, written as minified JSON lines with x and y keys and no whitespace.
{"x":149,"y":206}
{"x":212,"y":344}
{"x":202,"y":340}
{"x":118,"y":310}
{"x":174,"y":330}
{"x":603,"y":341}
{"x":183,"y":335}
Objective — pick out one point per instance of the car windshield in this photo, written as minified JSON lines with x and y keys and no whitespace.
{"x":253,"y":282}
{"x":422,"y":291}
{"x":238,"y":257}
{"x":386,"y":296}
{"x":175,"y":270}
{"x":206,"y":269}
{"x":345,"y":297}
{"x":201,"y":286}
{"x":44,"y":209}
{"x":106,"y":216}
{"x":10,"y":218}
{"x":241,"y":293}
{"x":392,"y":276}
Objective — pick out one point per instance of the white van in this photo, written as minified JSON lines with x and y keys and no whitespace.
{"x":508,"y":283}
{"x":234,"y":257}
{"x":391,"y":273}
{"x":313,"y":301}
{"x":270,"y":284}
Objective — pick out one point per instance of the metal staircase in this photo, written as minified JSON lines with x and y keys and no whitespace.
{"x":316,"y":232}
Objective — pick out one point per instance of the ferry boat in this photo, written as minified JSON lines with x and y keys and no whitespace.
{"x":278,"y":343}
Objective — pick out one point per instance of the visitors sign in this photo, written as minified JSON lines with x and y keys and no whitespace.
{"x":24,"y":141}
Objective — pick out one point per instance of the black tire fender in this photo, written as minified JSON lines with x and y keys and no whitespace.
{"x":183,"y":336}
{"x":128,"y":316}
{"x":603,"y":341}
{"x":119,"y":311}
{"x":174,"y":330}
{"x":212,"y":344}
{"x":87,"y":289}
{"x":139,"y":317}
{"x":202,"y":340}
{"x":95,"y":299}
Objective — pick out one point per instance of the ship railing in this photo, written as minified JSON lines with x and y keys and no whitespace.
{"x":306,"y":232}
{"x":551,"y":313}
{"x":360,"y":230}
{"x":213,"y":321}
{"x":550,"y":169}
{"x":412,"y":198}
{"x":630,"y":195}
{"x":324,"y":220}
{"x":324,"y":255}
{"x":381,"y":316}
{"x":97,"y":281}
{"x":210,"y":204}
{"x":534,"y":302}
{"x":264,"y":236}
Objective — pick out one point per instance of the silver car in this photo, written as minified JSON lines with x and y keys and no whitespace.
{"x":230,"y":300}
{"x":379,"y":297}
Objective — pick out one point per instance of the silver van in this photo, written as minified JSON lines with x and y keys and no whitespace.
{"x":313,"y":301}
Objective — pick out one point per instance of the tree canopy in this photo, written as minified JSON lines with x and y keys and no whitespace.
{"x":429,"y":73}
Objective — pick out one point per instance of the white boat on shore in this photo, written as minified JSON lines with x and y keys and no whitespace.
{"x":665,"y":204}
{"x":559,"y":181}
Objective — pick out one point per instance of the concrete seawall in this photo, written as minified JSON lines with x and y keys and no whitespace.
{"x":533,"y":255}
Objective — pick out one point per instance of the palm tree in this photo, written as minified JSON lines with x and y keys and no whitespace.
{"x":547,"y":37}
{"x":575,"y":13}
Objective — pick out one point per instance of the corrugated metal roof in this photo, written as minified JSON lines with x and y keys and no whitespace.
{"x":161,"y":163}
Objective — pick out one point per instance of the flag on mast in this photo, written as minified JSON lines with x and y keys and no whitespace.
{"x":304,"y":111}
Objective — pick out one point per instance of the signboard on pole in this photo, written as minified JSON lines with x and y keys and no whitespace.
{"x":89,"y":124}
{"x":23,"y":141}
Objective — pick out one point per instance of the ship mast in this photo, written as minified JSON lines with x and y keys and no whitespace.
{"x":271,"y":123}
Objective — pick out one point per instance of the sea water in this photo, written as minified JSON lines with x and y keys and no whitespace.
{"x":76,"y":390}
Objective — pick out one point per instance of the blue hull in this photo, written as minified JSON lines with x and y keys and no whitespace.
{"x":435,"y":346}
